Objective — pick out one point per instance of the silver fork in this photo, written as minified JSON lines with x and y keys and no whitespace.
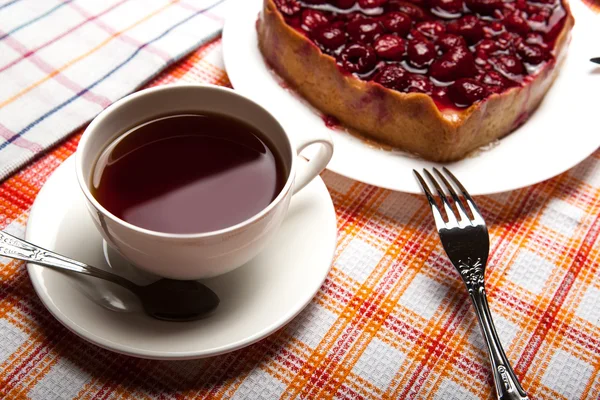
{"x":467,"y":244}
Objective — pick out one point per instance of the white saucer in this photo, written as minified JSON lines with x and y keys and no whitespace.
{"x":560,"y":134}
{"x":256,"y":299}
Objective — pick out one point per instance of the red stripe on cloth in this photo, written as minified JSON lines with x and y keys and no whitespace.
{"x":435,"y":346}
{"x":123,"y":37}
{"x":580,"y":337}
{"x":547,"y":321}
{"x":62,"y":35}
{"x":21,"y":142}
{"x":368,"y":311}
{"x":25,"y":366}
{"x":336,"y":291}
{"x":60,"y":78}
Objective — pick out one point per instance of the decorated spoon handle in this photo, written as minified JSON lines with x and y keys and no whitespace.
{"x":13,"y":247}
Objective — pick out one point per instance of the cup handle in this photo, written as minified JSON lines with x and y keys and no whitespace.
{"x":316,"y":164}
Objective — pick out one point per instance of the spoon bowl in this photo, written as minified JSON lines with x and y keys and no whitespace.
{"x":172,"y":300}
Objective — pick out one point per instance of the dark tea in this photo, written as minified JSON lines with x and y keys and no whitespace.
{"x":189,"y":173}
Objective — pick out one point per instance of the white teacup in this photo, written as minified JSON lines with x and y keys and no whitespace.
{"x":202,"y":255}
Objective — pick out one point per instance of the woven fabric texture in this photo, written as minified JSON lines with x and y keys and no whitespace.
{"x":392,"y":320}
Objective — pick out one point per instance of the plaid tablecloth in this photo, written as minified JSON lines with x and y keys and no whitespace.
{"x":64,"y":61}
{"x":391,"y":321}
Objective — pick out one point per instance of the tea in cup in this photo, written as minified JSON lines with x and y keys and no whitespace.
{"x":190,"y":181}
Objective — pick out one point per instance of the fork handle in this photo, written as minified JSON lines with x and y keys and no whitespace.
{"x":508,"y":386}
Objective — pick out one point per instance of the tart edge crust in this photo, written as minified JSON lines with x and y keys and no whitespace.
{"x":407,"y":121}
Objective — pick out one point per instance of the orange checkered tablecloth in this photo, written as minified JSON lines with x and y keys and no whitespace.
{"x":392,"y":320}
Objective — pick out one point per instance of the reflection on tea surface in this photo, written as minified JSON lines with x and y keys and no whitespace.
{"x":189,"y":173}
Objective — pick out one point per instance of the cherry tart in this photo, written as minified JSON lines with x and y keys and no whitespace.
{"x":439,"y":78}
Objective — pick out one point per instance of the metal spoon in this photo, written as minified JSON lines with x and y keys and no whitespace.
{"x":595,"y":60}
{"x":165,"y":299}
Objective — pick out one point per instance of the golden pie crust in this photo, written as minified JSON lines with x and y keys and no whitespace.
{"x":407,"y":121}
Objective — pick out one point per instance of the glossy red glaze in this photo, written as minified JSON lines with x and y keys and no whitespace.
{"x":457,"y":51}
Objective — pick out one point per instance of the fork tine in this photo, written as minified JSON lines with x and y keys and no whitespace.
{"x":474,"y":210}
{"x":449,"y":211}
{"x":459,"y":205}
{"x":437,"y":216}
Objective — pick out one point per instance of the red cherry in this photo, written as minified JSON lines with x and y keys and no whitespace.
{"x":413,"y":11}
{"x":456,"y":63}
{"x":430,"y":29}
{"x":532,"y":53}
{"x":487,"y":46}
{"x":494,"y":81}
{"x":344,"y":4}
{"x":509,"y":66}
{"x":315,"y":1}
{"x":535,"y":38}
{"x":447,"y":41}
{"x":420,"y":52}
{"x":396,"y":22}
{"x":465,"y":92}
{"x":288,"y":7}
{"x":294,"y":21}
{"x":415,"y":34}
{"x":521,"y":4}
{"x":312,"y":19}
{"x":493,"y":29}
{"x":444,"y":7}
{"x":358,"y":58}
{"x":539,"y":18}
{"x":392,"y":77}
{"x":538,"y":22}
{"x":481,"y":58}
{"x":508,"y":7}
{"x":353,"y":16}
{"x":484,"y":7}
{"x":515,"y":22}
{"x":366,"y":4}
{"x":555,"y":23}
{"x":420,"y":3}
{"x":517,"y":40}
{"x":390,"y":47}
{"x":468,"y":27}
{"x":440,"y":93}
{"x":338,"y":23}
{"x":330,"y":37}
{"x":505,"y":42}
{"x":546,"y":12}
{"x":364,"y":30}
{"x":418,"y":84}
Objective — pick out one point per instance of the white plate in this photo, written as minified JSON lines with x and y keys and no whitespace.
{"x":561,"y":133}
{"x":256,"y":299}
